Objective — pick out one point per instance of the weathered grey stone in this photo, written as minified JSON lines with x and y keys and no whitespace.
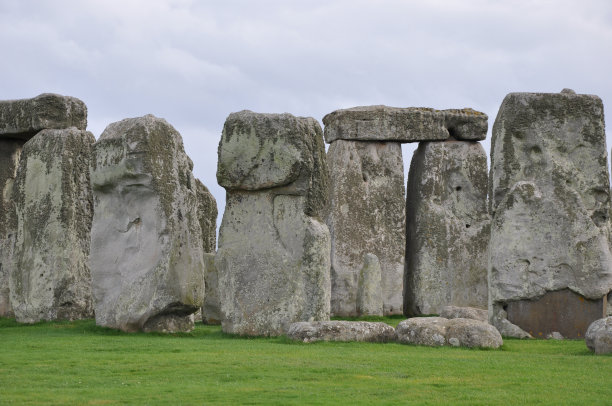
{"x":505,"y":328}
{"x":430,"y":331}
{"x":438,"y":331}
{"x":49,"y":275}
{"x":146,"y":256}
{"x":472,"y":333}
{"x":211,"y":310}
{"x":369,"y":288}
{"x":598,"y":337}
{"x":454,"y":312}
{"x":550,"y":201}
{"x":10,"y":150}
{"x":555,"y":335}
{"x":412,"y":124}
{"x":273,"y":256}
{"x":309,"y":332}
{"x":25,"y":117}
{"x":366,"y":216}
{"x":447,"y":228}
{"x":207,"y":207}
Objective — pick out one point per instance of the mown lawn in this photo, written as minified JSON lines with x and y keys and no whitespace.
{"x":80,"y":363}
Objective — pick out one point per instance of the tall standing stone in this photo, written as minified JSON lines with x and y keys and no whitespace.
{"x":550,"y":261}
{"x":49,"y":276}
{"x":20,"y":120}
{"x":146,"y":238}
{"x":447,"y":228}
{"x":207,"y":209}
{"x":273,"y":255}
{"x":366,"y":216}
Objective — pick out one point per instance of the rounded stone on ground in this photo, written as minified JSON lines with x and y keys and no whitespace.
{"x":598,"y":337}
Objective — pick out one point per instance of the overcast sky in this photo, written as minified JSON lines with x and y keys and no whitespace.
{"x":194,"y":62}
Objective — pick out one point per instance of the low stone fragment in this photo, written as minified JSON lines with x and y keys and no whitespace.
{"x":146,"y":256}
{"x":211,"y":310}
{"x":274,"y":249}
{"x":412,"y":124}
{"x":507,"y":329}
{"x":455,"y":312}
{"x":366,"y":216}
{"x":598,"y":337}
{"x":207,"y":209}
{"x":22,"y":119}
{"x":309,"y":332}
{"x":555,"y":335}
{"x":49,"y":275}
{"x":438,"y":331}
{"x":369,"y":292}
{"x":447,"y":228}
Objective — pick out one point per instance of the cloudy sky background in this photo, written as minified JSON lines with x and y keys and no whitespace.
{"x":194,"y":62}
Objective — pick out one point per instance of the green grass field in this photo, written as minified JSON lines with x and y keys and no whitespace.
{"x":80,"y":363}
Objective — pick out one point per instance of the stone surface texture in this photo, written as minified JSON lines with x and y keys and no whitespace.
{"x":366,"y":216}
{"x":273,"y":250}
{"x":438,"y":331}
{"x":454,"y":312}
{"x":447,"y":228}
{"x":550,"y":200}
{"x":341,"y":331}
{"x":49,"y":273}
{"x":369,"y":287}
{"x":146,"y":257}
{"x":412,"y":124}
{"x":211,"y":310}
{"x":598,"y":337}
{"x":207,"y":209}
{"x":23,"y":118}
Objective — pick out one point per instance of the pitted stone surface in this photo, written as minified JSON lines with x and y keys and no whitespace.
{"x":454,"y":312}
{"x":369,"y":287}
{"x":146,"y":256}
{"x":207,"y":209}
{"x":309,"y":332}
{"x":550,"y":199}
{"x":49,"y":275}
{"x":412,"y":124}
{"x":273,"y":255}
{"x":447,"y":228}
{"x":598,"y":337}
{"x":438,"y":331}
{"x":25,"y":117}
{"x":366,"y":216}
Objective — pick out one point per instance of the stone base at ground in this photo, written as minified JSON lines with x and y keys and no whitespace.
{"x":341,"y":331}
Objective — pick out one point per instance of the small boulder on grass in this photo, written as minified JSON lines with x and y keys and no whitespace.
{"x":456,"y":312}
{"x":599,"y":336}
{"x":341,"y":331}
{"x":438,"y":331}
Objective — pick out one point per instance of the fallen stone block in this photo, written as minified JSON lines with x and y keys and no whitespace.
{"x":455,"y":312}
{"x":598,"y":337}
{"x":438,"y":331}
{"x":309,"y":332}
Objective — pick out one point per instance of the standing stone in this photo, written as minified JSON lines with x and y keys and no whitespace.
{"x":207,"y":209}
{"x":447,"y":228}
{"x":146,"y":256}
{"x":550,"y":201}
{"x":20,"y":120}
{"x":273,"y":256}
{"x":369,"y":291}
{"x":366,"y":216}
{"x":49,"y":277}
{"x":211,"y":310}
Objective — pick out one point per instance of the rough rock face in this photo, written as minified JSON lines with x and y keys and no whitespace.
{"x":369,"y":287}
{"x":23,"y":118}
{"x":207,"y":209}
{"x":49,"y":276}
{"x":146,"y":256}
{"x":211,"y":310}
{"x":273,"y":255}
{"x":438,"y":331}
{"x":550,"y":201}
{"x":10,"y":151}
{"x":454,"y":312}
{"x":366,"y":216}
{"x":447,"y":228}
{"x":412,"y":124}
{"x":598,"y":337}
{"x":341,"y":331}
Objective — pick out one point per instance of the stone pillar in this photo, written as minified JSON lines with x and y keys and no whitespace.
{"x":147,"y":246}
{"x":447,"y":228}
{"x":550,"y":262}
{"x":273,"y":254}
